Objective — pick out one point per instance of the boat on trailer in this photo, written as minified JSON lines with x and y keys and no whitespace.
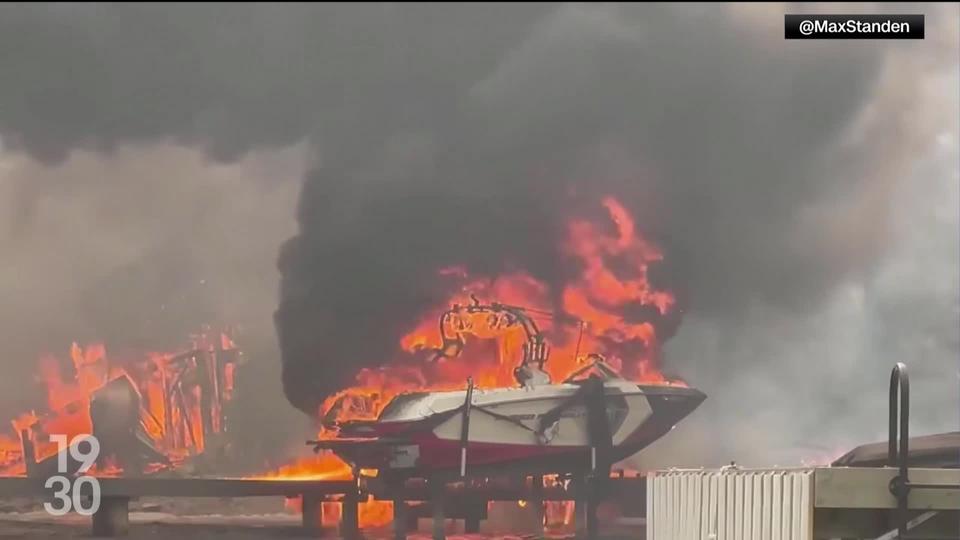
{"x":590,"y":420}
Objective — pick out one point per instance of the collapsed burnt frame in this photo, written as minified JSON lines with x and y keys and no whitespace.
{"x":150,"y":412}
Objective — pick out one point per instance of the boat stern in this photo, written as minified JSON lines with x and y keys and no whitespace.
{"x":668,"y":406}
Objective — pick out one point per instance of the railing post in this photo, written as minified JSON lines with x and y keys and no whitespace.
{"x":899,"y":457}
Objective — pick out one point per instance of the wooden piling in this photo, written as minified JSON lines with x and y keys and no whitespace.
{"x":112,"y":518}
{"x":401,"y":520}
{"x":586,"y":507}
{"x":437,"y":505}
{"x":311,"y":513}
{"x":350,"y":515}
{"x":584,"y":511}
{"x":473,"y":515}
{"x":536,"y":504}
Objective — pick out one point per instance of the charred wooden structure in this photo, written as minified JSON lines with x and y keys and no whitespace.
{"x":152,"y":414}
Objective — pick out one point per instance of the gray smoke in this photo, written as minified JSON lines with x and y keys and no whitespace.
{"x":138,"y":250}
{"x":771,"y":172}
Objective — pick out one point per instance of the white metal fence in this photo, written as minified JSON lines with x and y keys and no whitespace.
{"x":730,"y":504}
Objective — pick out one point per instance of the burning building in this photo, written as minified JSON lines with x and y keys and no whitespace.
{"x":151,"y":412}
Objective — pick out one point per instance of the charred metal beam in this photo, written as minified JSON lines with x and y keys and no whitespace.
{"x":29,"y":452}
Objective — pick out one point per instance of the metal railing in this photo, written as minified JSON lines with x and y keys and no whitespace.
{"x":898,"y":451}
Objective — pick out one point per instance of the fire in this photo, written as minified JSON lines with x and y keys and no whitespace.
{"x":371,"y":513}
{"x":558,"y":513}
{"x":613,"y":279}
{"x":591,"y":318}
{"x":319,"y":467}
{"x":177,"y":402}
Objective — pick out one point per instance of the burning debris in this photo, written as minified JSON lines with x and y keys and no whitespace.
{"x":151,"y":413}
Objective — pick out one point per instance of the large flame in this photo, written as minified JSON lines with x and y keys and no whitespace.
{"x":592,"y":318}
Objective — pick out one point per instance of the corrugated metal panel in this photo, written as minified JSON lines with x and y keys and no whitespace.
{"x":730,"y":504}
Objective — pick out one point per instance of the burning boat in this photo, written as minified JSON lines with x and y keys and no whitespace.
{"x":586,"y":422}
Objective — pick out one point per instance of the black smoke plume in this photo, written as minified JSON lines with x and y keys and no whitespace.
{"x":715,"y":137}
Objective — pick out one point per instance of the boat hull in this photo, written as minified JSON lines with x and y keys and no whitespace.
{"x":505,"y":432}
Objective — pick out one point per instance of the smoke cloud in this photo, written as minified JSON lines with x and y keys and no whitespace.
{"x":772,"y":173}
{"x":138,"y":250}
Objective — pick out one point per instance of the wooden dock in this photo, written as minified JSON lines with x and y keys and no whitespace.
{"x":466,"y":500}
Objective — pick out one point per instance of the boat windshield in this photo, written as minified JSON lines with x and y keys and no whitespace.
{"x":598,"y":367}
{"x":400,"y":402}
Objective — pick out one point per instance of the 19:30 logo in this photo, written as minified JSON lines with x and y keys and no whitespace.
{"x":67,"y":491}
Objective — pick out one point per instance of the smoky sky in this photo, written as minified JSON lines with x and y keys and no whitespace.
{"x":768,"y":171}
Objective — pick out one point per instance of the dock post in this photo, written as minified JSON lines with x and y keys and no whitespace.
{"x":475,"y":509}
{"x":350,"y":515}
{"x":586,"y":507}
{"x":579,"y":509}
{"x":594,"y":484}
{"x":536,"y":503}
{"x":471,"y":524}
{"x":437,"y":504}
{"x":592,"y":487}
{"x":401,"y":521}
{"x":311,"y":512}
{"x":112,"y":518}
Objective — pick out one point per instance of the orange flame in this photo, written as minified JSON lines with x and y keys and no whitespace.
{"x":613,"y":277}
{"x":177,"y":422}
{"x":597,"y":297}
